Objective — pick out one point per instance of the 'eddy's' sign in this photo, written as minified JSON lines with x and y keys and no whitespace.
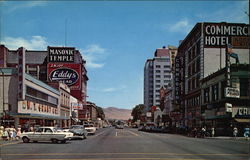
{"x":221,"y":34}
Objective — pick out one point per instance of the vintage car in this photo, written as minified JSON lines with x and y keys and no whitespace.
{"x":78,"y":130}
{"x":91,"y":129}
{"x":46,"y":134}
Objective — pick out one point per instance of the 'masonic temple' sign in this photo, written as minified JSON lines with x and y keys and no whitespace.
{"x":61,"y":54}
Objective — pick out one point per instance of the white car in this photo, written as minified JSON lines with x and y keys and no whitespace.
{"x":91,"y":129}
{"x":46,"y":134}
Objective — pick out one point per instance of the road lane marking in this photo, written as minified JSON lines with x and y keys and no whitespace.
{"x":133,"y":133}
{"x":127,"y":158}
{"x":6,"y":144}
{"x":89,"y":154}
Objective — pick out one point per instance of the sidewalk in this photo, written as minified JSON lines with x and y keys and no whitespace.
{"x":229,"y":138}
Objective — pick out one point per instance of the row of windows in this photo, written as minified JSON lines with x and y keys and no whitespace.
{"x":165,"y":81}
{"x":159,"y":66}
{"x":165,"y":76}
{"x":40,"y":95}
{"x":165,"y":71}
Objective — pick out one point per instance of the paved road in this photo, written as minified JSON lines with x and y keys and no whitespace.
{"x":130,"y":144}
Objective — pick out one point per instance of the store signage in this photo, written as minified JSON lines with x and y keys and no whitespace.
{"x":241,"y":112}
{"x":21,"y":73}
{"x":76,"y":106}
{"x":36,"y":108}
{"x":228,"y":107}
{"x":61,"y":54}
{"x":65,"y":75}
{"x":221,"y":34}
{"x":232,"y":92}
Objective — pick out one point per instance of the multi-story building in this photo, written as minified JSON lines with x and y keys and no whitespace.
{"x":200,"y":54}
{"x":225,"y":110}
{"x":57,"y":64}
{"x":157,"y":74}
{"x":27,"y":101}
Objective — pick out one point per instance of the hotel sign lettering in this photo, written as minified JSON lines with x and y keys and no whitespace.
{"x":221,"y":34}
{"x":61,"y":54}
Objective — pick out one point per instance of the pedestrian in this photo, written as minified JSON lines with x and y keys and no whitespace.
{"x":212,"y":131}
{"x":235,"y":131}
{"x":1,"y":132}
{"x":203,"y":132}
{"x":18,"y":134}
{"x":246,"y":132}
{"x":6,"y":134}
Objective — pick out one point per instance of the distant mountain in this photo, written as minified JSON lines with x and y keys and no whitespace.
{"x":117,"y":113}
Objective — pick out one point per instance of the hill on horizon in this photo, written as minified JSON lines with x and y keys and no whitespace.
{"x":117,"y":113}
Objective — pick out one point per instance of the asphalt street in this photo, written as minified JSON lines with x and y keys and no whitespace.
{"x":130,"y":144}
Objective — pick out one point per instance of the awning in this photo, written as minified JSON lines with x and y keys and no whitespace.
{"x":242,"y":120}
{"x":37,"y":116}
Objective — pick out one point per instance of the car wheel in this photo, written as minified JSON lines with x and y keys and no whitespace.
{"x":26,"y":140}
{"x":63,"y":141}
{"x":54,"y":140}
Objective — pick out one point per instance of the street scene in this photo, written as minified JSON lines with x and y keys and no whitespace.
{"x":123,"y":80}
{"x":129,"y":143}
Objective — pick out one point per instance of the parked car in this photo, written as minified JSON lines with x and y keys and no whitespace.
{"x":46,"y":134}
{"x":79,"y":132}
{"x":91,"y":129}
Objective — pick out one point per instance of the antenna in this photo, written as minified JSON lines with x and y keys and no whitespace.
{"x":65,"y":38}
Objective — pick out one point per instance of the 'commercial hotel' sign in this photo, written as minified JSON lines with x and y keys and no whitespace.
{"x":61,"y":54}
{"x":221,"y":34}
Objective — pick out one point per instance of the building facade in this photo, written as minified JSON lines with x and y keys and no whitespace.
{"x":200,"y":54}
{"x":157,"y":74}
{"x":62,"y":66}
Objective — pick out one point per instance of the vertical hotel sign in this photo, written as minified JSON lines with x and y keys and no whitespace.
{"x":218,"y":35}
{"x":21,"y":73}
{"x":177,"y":79}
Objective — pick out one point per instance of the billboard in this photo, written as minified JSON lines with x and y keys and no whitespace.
{"x":61,"y":54}
{"x":218,"y":35}
{"x":67,"y":73}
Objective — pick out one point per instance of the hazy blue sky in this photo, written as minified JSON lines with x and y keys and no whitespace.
{"x":115,"y":37}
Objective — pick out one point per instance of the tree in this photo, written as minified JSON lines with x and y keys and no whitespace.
{"x":137,"y":111}
{"x":100,"y":113}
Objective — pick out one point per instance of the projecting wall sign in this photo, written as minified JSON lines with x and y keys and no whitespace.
{"x":66,"y":75}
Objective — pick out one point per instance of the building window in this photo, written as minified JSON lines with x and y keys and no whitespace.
{"x":158,"y":76}
{"x":158,"y":71}
{"x":158,"y":81}
{"x":157,"y":86}
{"x":244,"y":87}
{"x":167,"y":76}
{"x":158,"y":66}
{"x":215,"y":92}
{"x":165,"y":66}
{"x":166,"y":71}
{"x":206,"y":95}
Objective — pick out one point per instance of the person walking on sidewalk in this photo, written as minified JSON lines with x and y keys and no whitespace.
{"x":246,"y":132}
{"x":212,"y":131}
{"x":235,"y":131}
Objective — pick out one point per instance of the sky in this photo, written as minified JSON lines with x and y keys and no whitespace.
{"x":114,"y":37}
